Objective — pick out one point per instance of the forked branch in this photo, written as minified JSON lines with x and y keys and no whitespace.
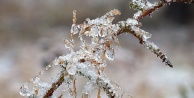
{"x":89,"y":62}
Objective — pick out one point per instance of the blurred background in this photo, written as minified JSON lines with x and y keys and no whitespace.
{"x":32,"y":33}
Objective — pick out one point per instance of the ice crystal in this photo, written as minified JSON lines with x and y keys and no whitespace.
{"x":71,"y":69}
{"x":74,"y":29}
{"x":131,"y":21}
{"x":68,"y":44}
{"x":110,"y":54}
{"x":24,"y":90}
{"x":95,"y":31}
{"x":89,"y":87}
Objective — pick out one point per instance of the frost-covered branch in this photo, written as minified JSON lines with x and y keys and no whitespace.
{"x":55,"y":85}
{"x":146,"y":8}
{"x":90,"y":60}
{"x":132,"y":26}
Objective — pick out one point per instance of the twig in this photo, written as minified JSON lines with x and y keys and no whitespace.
{"x":55,"y":85}
{"x":161,"y":3}
{"x":103,"y":33}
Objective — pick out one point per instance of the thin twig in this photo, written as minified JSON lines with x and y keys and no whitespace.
{"x":98,"y":96}
{"x":54,"y":86}
{"x":160,"y":4}
{"x":149,"y":11}
{"x":74,"y":86}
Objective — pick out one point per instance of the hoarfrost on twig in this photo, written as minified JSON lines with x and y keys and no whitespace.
{"x":90,"y":60}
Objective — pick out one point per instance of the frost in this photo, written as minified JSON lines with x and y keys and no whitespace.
{"x":74,"y":29}
{"x":71,"y":69}
{"x":67,"y":80}
{"x":137,"y":14}
{"x":116,"y":40}
{"x":110,"y":54}
{"x":141,"y":33}
{"x":131,"y":21}
{"x":93,"y":74}
{"x":43,"y":87}
{"x":95,"y":40}
{"x":94,"y":31}
{"x":36,"y":80}
{"x":142,"y":4}
{"x":24,"y":90}
{"x":68,"y":44}
{"x":39,"y":89}
{"x":89,"y":87}
{"x":81,"y":66}
{"x":90,"y":60}
{"x":103,"y":32}
{"x":104,"y":20}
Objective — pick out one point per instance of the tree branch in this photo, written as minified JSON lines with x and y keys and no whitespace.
{"x":158,"y":5}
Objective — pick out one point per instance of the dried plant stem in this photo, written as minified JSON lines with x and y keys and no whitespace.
{"x":74,"y":86}
{"x":89,"y":62}
{"x":55,"y":85}
{"x":98,"y":95}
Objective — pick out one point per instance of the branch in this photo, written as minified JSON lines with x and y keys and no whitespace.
{"x":149,"y":11}
{"x":156,"y":6}
{"x":142,"y":36}
{"x":89,"y":62}
{"x":55,"y":85}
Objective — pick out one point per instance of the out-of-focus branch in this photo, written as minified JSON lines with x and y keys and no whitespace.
{"x":149,"y":11}
{"x":183,"y":1}
{"x":158,"y":5}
